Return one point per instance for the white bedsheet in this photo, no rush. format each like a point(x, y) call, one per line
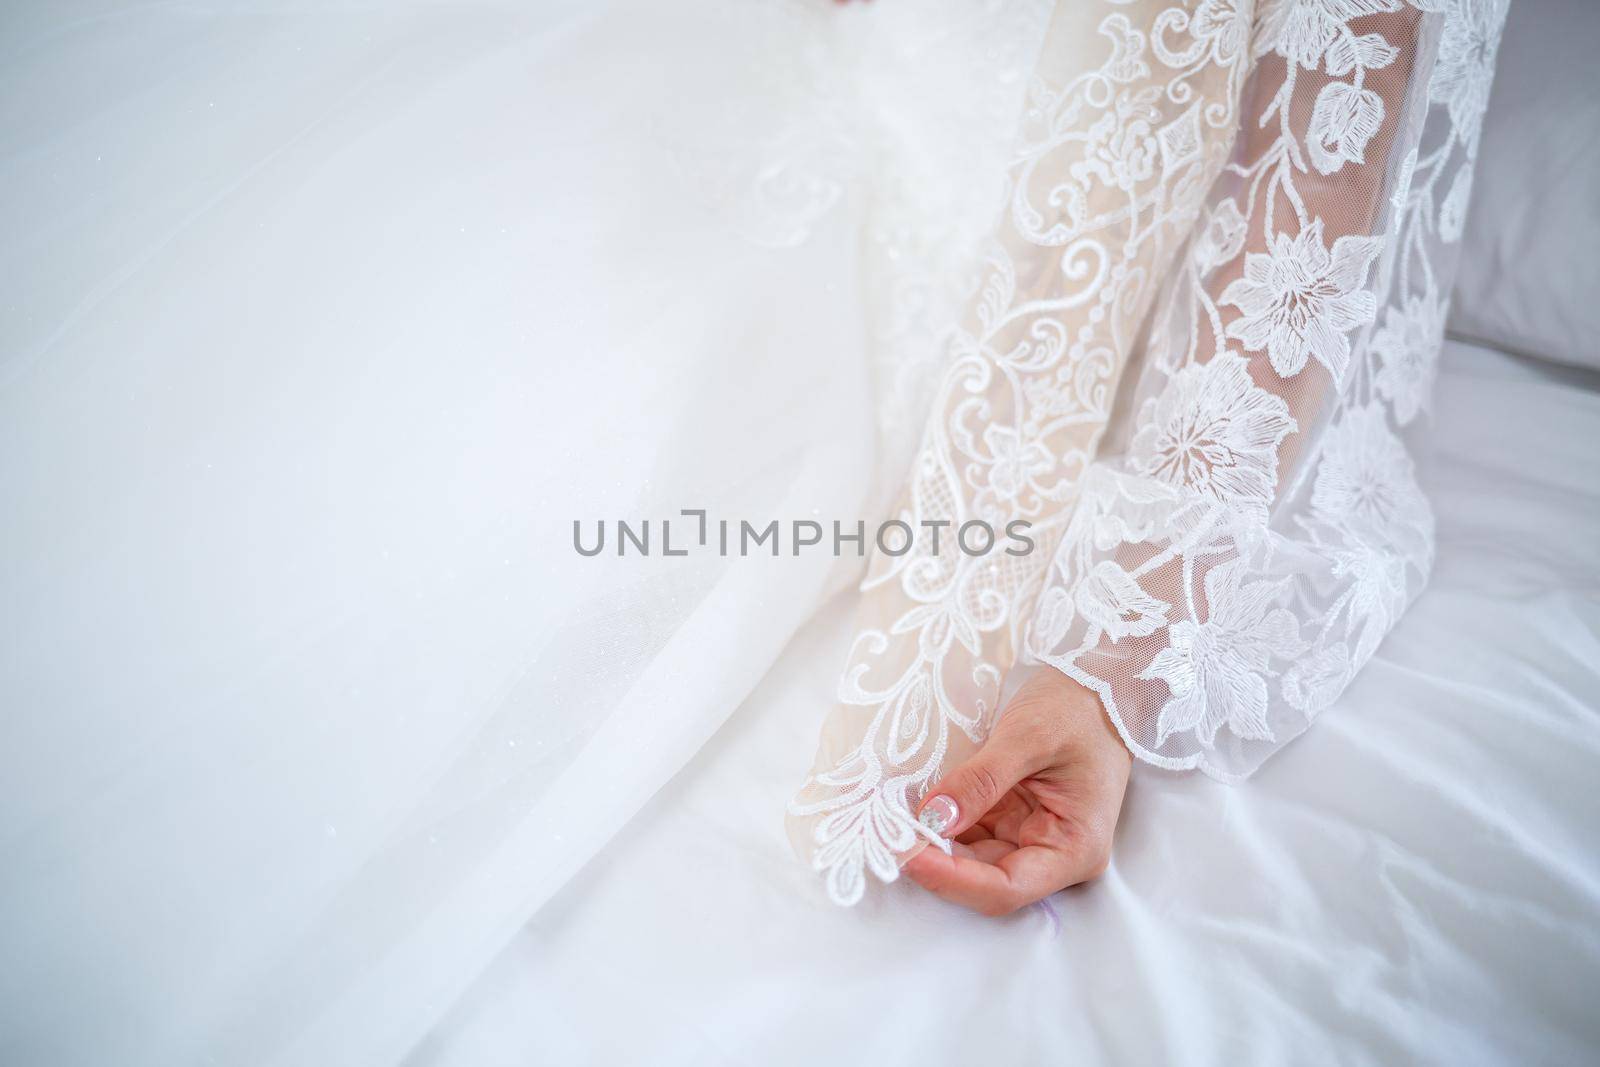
point(1417, 879)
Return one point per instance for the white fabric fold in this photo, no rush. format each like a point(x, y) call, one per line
point(325, 326)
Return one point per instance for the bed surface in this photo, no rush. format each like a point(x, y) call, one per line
point(1415, 879)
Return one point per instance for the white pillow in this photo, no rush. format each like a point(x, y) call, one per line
point(1529, 280)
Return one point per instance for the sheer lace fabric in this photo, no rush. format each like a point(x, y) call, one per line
point(1251, 214)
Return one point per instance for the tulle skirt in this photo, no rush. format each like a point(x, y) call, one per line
point(324, 328)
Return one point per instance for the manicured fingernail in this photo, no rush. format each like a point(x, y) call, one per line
point(939, 814)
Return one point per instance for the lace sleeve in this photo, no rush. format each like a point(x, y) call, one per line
point(1262, 529)
point(1130, 118)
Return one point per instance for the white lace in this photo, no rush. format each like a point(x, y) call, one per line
point(1257, 208)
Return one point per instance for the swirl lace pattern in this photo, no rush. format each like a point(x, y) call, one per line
point(1109, 173)
point(1258, 208)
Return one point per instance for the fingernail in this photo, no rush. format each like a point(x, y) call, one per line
point(939, 814)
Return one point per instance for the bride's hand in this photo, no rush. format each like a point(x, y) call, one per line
point(1033, 811)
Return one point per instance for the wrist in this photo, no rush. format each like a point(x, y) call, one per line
point(1074, 713)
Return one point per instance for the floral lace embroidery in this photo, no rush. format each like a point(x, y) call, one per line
point(1221, 582)
point(1108, 177)
point(1267, 512)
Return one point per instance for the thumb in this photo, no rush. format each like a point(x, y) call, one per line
point(963, 796)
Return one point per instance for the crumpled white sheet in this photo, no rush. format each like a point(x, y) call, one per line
point(1417, 879)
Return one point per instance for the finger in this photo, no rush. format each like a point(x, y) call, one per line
point(996, 878)
point(1015, 879)
point(1036, 871)
point(991, 851)
point(989, 820)
point(1012, 809)
point(962, 880)
point(1008, 818)
point(964, 795)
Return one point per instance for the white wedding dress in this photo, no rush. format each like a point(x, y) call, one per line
point(324, 325)
point(327, 324)
point(1249, 216)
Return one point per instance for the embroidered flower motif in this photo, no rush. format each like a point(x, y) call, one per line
point(1315, 681)
point(1222, 237)
point(1224, 25)
point(1114, 604)
point(1453, 210)
point(1121, 147)
point(1051, 620)
point(1374, 579)
point(1127, 62)
point(863, 836)
point(1342, 122)
point(1216, 669)
point(1407, 347)
point(1465, 67)
point(1300, 299)
point(1402, 183)
point(1016, 462)
point(1302, 31)
point(1214, 431)
point(1366, 486)
point(1367, 52)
